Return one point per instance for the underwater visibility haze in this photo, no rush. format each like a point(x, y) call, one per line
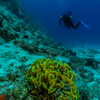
point(48, 12)
point(42, 60)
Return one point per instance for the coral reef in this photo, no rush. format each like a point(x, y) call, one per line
point(51, 80)
point(22, 42)
point(14, 7)
point(28, 37)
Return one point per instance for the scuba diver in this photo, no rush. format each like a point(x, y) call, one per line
point(67, 18)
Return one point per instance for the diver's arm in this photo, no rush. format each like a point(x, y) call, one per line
point(60, 21)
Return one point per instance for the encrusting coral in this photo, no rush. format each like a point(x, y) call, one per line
point(51, 80)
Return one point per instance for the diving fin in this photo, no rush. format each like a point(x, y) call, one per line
point(84, 24)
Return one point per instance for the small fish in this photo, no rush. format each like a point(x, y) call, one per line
point(2, 97)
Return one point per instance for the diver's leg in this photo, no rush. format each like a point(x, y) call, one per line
point(75, 27)
point(68, 26)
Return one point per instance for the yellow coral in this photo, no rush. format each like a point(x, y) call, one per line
point(73, 77)
point(44, 85)
point(51, 79)
point(62, 84)
point(52, 75)
point(63, 77)
point(51, 67)
point(58, 74)
point(70, 81)
point(58, 85)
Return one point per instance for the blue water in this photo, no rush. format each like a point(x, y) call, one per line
point(48, 12)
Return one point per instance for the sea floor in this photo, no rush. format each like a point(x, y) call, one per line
point(22, 43)
point(14, 59)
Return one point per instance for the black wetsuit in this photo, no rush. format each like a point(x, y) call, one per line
point(68, 22)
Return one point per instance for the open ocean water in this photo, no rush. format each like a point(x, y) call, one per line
point(29, 31)
point(48, 13)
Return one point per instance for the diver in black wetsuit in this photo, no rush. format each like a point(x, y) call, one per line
point(67, 18)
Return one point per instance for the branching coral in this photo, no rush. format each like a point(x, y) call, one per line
point(51, 80)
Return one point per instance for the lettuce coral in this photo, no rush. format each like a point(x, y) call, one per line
point(51, 80)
